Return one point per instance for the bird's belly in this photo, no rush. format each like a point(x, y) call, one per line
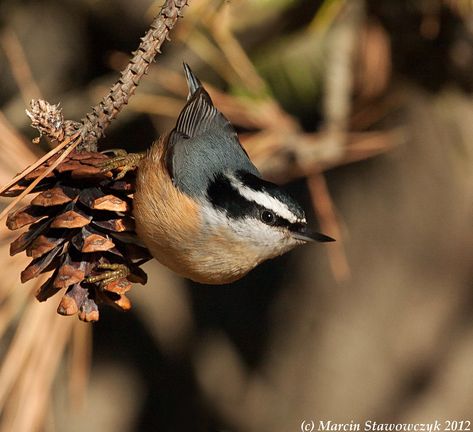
point(201, 259)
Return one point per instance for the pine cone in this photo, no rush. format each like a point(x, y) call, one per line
point(79, 224)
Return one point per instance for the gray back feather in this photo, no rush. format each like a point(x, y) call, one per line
point(203, 143)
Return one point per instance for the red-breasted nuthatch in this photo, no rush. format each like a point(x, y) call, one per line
point(201, 206)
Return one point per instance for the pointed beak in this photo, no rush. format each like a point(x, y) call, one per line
point(305, 234)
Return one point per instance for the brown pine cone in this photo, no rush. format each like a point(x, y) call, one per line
point(81, 229)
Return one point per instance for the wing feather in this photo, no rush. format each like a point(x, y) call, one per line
point(203, 143)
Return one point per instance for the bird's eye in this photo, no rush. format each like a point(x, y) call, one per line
point(268, 217)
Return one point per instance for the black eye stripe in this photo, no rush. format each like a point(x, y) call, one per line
point(224, 196)
point(258, 184)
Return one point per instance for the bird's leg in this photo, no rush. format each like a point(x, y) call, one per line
point(122, 161)
point(115, 272)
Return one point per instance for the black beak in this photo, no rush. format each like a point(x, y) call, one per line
point(307, 235)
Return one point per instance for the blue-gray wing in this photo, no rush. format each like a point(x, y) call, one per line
point(203, 143)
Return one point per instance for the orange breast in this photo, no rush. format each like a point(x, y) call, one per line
point(165, 217)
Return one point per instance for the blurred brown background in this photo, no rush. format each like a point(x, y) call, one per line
point(364, 109)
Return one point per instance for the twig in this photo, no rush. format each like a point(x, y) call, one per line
point(95, 122)
point(339, 77)
point(234, 52)
point(324, 208)
point(19, 65)
point(16, 150)
point(81, 353)
point(48, 119)
point(43, 363)
point(18, 353)
point(282, 157)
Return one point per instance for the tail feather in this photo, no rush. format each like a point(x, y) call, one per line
point(192, 81)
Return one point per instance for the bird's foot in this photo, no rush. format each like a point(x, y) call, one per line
point(123, 162)
point(114, 273)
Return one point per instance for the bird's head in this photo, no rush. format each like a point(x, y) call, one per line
point(258, 212)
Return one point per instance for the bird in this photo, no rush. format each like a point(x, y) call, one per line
point(201, 206)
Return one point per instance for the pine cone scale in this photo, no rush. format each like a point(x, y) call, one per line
point(25, 239)
point(71, 219)
point(51, 197)
point(24, 216)
point(39, 265)
point(46, 290)
point(42, 245)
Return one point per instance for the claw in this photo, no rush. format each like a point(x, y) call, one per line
point(122, 161)
point(116, 272)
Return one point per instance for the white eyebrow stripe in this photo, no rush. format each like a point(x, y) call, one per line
point(264, 200)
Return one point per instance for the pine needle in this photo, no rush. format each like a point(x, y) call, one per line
point(43, 175)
